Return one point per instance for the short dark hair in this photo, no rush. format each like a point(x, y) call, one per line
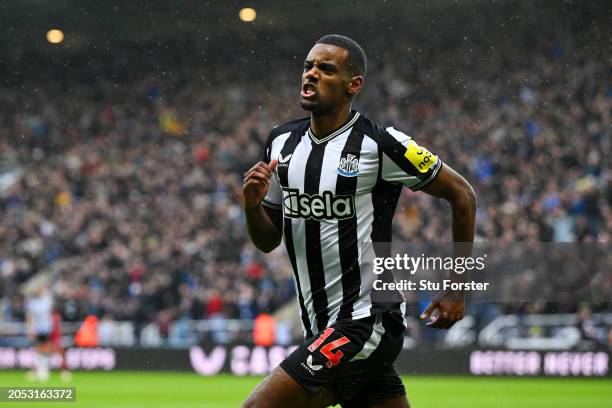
point(357, 60)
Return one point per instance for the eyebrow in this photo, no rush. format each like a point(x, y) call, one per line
point(327, 66)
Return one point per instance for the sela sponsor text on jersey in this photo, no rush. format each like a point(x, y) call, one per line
point(319, 207)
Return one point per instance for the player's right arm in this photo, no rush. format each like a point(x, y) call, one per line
point(263, 222)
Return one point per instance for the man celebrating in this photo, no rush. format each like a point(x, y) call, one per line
point(328, 183)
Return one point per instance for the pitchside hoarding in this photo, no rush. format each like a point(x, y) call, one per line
point(249, 360)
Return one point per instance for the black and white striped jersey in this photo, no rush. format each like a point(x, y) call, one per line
point(336, 193)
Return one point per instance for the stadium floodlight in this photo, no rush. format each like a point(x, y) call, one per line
point(247, 14)
point(55, 36)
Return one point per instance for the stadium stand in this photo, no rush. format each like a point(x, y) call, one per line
point(121, 182)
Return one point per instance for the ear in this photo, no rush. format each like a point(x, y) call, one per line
point(354, 85)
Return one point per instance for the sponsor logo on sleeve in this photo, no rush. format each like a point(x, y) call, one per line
point(421, 158)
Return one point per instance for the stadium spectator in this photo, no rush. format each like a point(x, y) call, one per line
point(128, 191)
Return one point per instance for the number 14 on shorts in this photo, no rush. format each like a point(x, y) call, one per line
point(327, 350)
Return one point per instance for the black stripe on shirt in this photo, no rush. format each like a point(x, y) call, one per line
point(288, 148)
point(347, 234)
point(314, 258)
point(385, 196)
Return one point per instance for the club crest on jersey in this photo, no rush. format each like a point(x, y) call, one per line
point(348, 166)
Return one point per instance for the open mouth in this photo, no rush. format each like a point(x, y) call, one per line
point(308, 90)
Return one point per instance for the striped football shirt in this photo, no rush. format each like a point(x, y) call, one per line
point(336, 193)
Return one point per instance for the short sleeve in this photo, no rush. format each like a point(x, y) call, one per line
point(273, 198)
point(404, 161)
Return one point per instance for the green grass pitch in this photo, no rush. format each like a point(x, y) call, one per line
point(185, 390)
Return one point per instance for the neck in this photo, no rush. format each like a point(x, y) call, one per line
point(325, 123)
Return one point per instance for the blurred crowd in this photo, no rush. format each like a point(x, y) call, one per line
point(127, 193)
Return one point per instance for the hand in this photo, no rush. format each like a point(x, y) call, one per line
point(442, 312)
point(256, 183)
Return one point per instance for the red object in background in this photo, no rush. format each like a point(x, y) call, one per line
point(214, 305)
point(201, 153)
point(136, 272)
point(87, 335)
point(56, 328)
point(255, 271)
point(108, 115)
point(56, 339)
point(163, 323)
point(264, 330)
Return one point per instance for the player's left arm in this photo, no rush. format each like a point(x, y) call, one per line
point(448, 308)
point(405, 161)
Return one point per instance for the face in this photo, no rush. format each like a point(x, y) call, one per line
point(327, 81)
